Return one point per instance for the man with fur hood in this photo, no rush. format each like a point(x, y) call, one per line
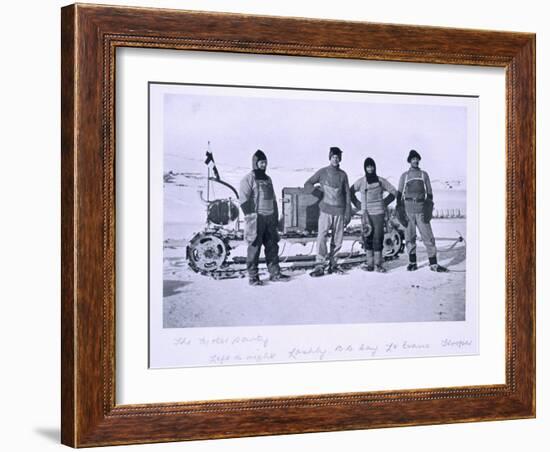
point(414, 210)
point(259, 205)
point(335, 208)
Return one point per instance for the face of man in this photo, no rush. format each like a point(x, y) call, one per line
point(415, 162)
point(335, 160)
point(370, 169)
point(262, 164)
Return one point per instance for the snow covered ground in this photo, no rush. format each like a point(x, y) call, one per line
point(194, 300)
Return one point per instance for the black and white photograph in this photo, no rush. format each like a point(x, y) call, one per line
point(131, 313)
point(292, 225)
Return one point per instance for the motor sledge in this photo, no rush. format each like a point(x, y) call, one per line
point(210, 251)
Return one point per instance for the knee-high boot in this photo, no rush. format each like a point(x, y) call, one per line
point(379, 262)
point(369, 263)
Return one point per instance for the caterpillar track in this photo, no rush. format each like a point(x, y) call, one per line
point(209, 253)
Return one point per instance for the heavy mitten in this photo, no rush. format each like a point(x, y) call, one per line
point(388, 200)
point(427, 210)
point(401, 214)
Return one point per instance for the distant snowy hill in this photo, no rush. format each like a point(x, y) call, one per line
point(439, 184)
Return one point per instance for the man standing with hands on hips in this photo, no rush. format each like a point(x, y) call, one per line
point(414, 210)
point(335, 208)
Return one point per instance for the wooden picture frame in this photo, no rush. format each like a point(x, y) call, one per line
point(90, 37)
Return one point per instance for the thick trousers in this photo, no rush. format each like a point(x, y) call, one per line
point(268, 236)
point(416, 220)
point(334, 223)
point(376, 238)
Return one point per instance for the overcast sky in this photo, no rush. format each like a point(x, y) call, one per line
point(297, 133)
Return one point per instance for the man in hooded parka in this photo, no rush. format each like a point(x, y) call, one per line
point(259, 205)
point(372, 203)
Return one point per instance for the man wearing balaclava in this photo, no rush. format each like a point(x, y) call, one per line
point(415, 208)
point(259, 205)
point(372, 204)
point(335, 208)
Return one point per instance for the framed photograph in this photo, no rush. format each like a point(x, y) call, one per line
point(205, 304)
point(279, 225)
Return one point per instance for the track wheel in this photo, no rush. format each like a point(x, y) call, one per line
point(206, 252)
point(393, 244)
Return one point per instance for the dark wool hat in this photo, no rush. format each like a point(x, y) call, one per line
point(369, 162)
point(371, 177)
point(258, 155)
point(413, 154)
point(335, 151)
